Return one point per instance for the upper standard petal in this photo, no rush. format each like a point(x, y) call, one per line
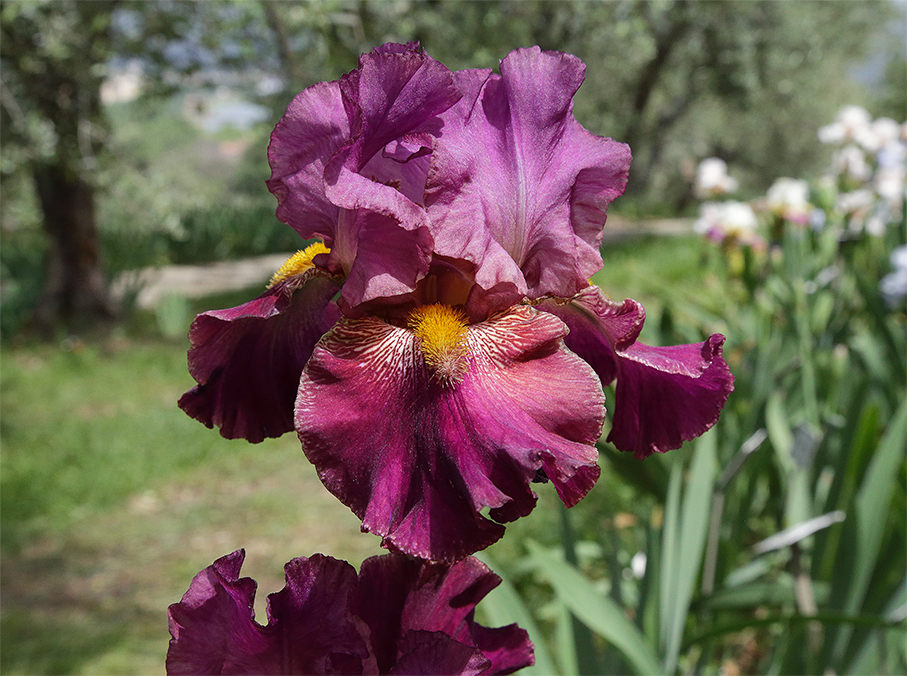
point(349, 161)
point(516, 185)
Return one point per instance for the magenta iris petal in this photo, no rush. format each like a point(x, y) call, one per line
point(213, 628)
point(310, 627)
point(247, 360)
point(389, 260)
point(349, 161)
point(313, 128)
point(668, 395)
point(435, 654)
point(664, 395)
point(417, 459)
point(507, 648)
point(400, 596)
point(400, 616)
point(395, 91)
point(517, 186)
point(316, 630)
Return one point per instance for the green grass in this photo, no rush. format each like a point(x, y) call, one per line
point(667, 275)
point(112, 499)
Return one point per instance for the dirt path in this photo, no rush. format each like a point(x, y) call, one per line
point(195, 281)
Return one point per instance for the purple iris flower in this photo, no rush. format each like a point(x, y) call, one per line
point(398, 616)
point(442, 349)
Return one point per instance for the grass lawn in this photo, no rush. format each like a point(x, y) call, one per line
point(112, 498)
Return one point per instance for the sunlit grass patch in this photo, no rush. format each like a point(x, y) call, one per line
point(113, 499)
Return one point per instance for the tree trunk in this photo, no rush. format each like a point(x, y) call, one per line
point(74, 293)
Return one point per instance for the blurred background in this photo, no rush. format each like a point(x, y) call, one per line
point(134, 139)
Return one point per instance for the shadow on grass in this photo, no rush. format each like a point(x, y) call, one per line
point(52, 620)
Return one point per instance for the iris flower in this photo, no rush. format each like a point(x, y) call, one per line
point(440, 348)
point(398, 616)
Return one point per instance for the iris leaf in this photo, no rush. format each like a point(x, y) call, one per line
point(504, 606)
point(596, 611)
point(688, 546)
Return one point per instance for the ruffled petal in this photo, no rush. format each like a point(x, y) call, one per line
point(516, 185)
point(399, 616)
point(247, 360)
point(310, 629)
point(507, 648)
point(417, 458)
point(397, 90)
point(349, 161)
point(312, 616)
point(213, 626)
point(400, 596)
point(664, 395)
point(314, 127)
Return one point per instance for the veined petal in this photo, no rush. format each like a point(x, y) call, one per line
point(664, 395)
point(516, 185)
point(417, 456)
point(247, 360)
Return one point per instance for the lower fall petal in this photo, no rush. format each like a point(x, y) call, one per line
point(247, 360)
point(664, 395)
point(668, 395)
point(417, 456)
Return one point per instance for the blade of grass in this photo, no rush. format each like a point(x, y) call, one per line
point(596, 611)
point(873, 500)
point(504, 606)
point(690, 543)
point(872, 503)
point(584, 650)
point(783, 438)
point(668, 569)
point(895, 611)
point(565, 641)
point(790, 620)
